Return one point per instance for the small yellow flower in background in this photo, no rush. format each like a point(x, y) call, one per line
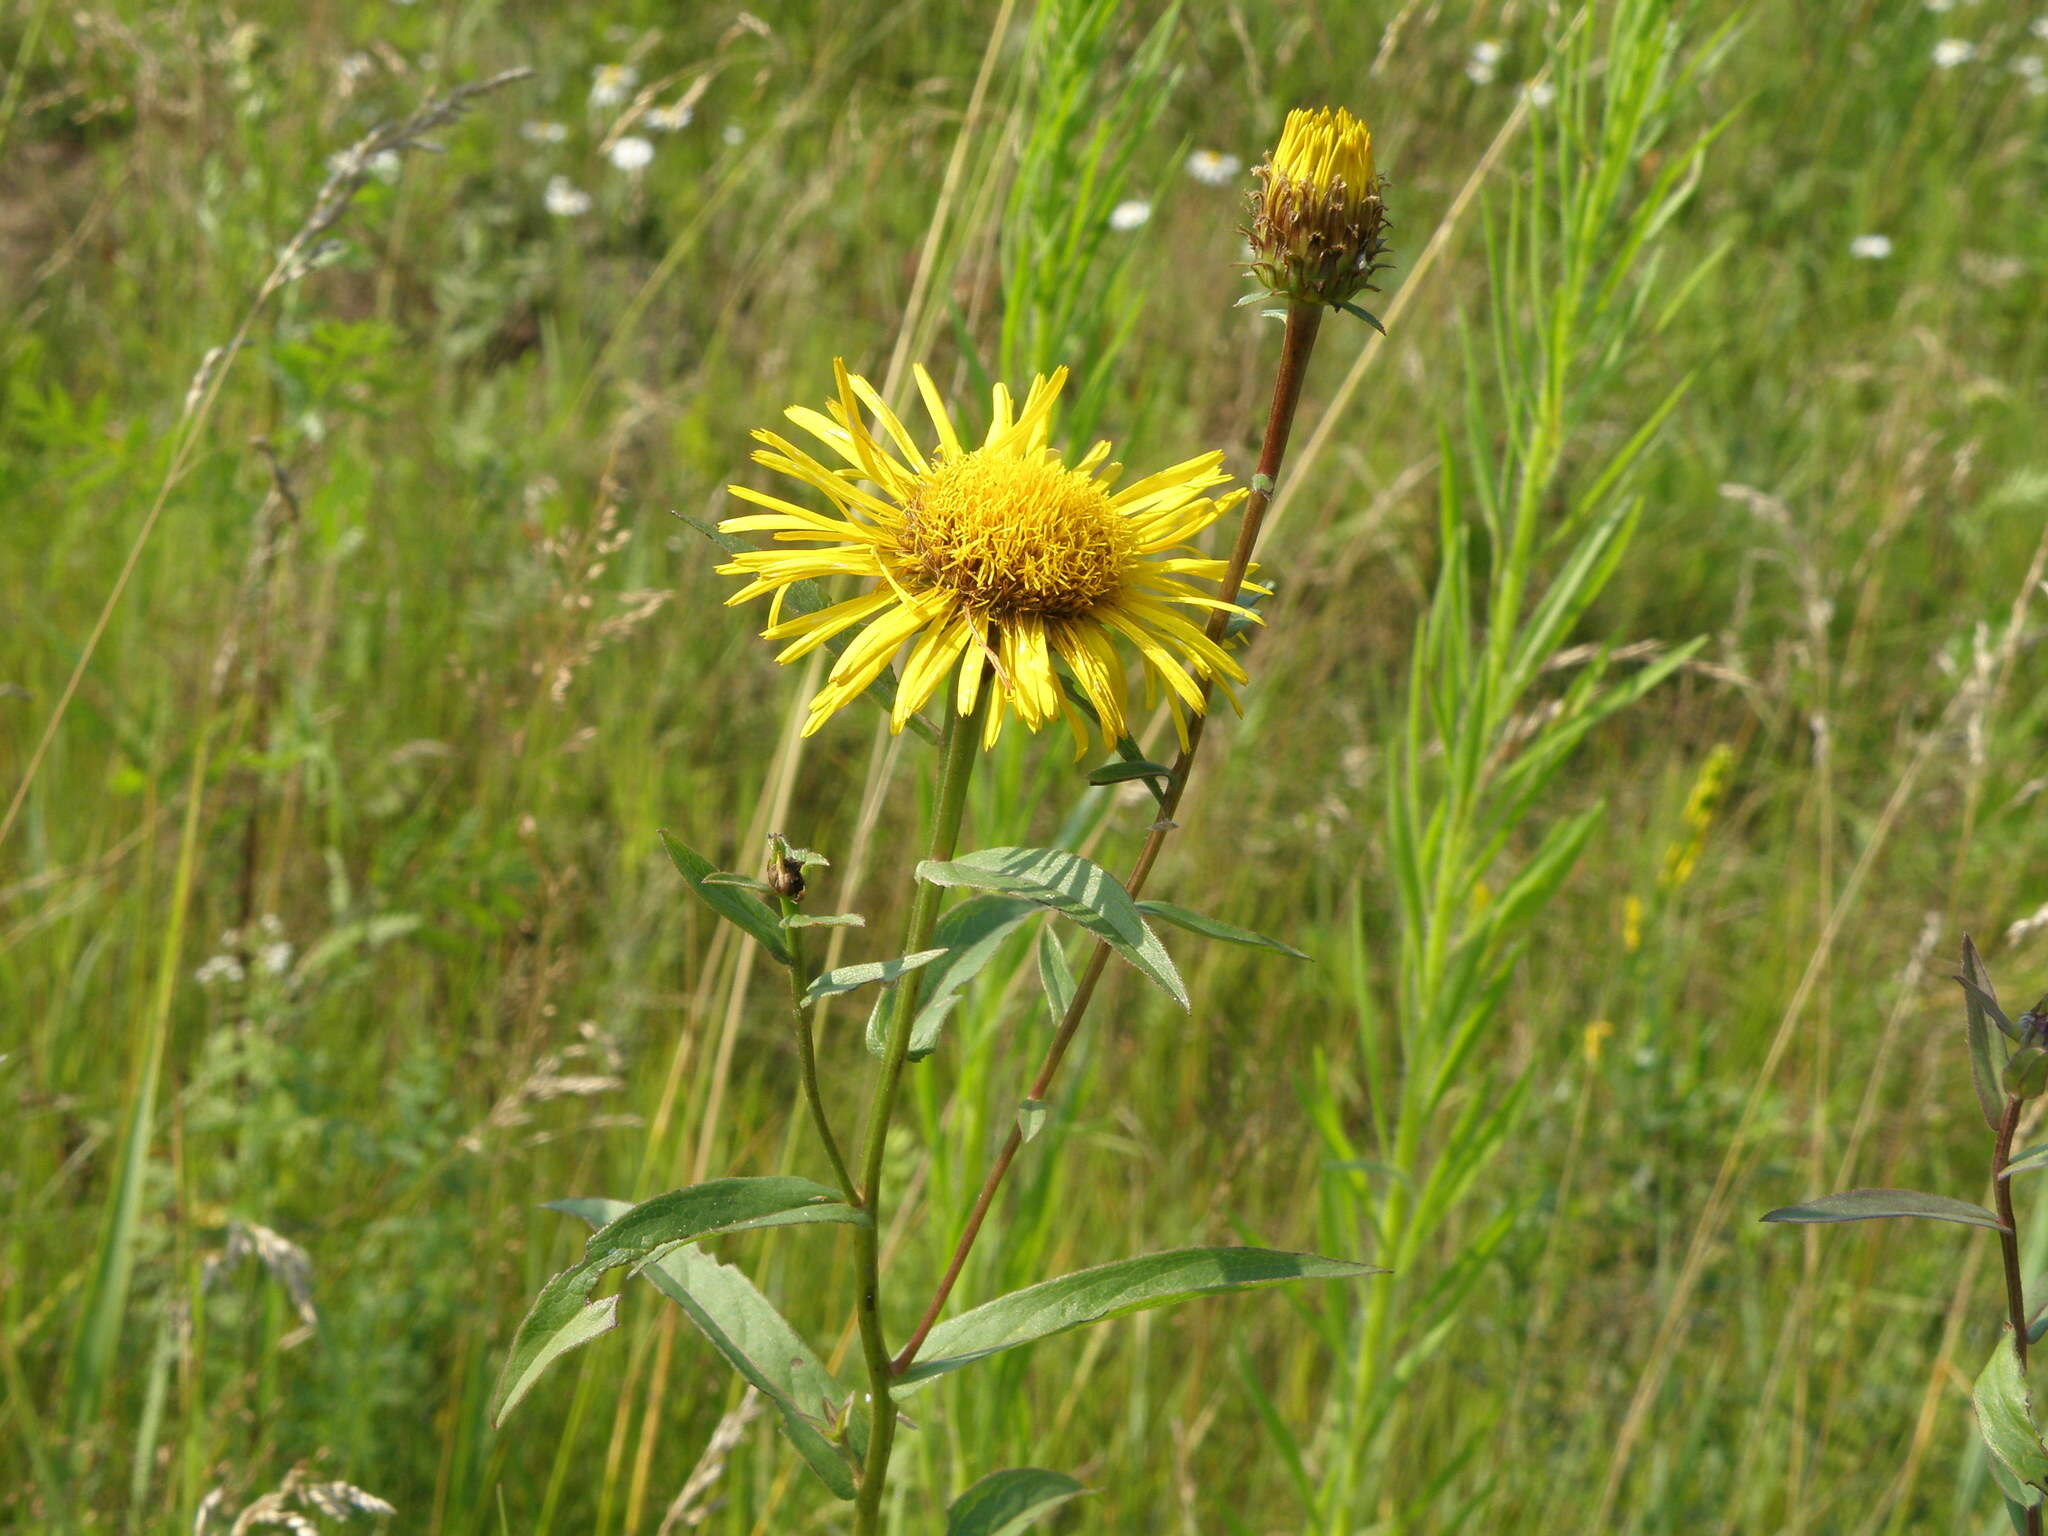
point(1595, 1040)
point(1318, 221)
point(1701, 806)
point(1632, 924)
point(992, 563)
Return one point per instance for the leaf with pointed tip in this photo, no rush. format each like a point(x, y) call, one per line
point(846, 977)
point(1111, 1290)
point(1055, 975)
point(743, 912)
point(1004, 1503)
point(1876, 1204)
point(1075, 888)
point(1987, 1000)
point(2005, 1418)
point(757, 1341)
point(1210, 928)
point(1121, 771)
point(1030, 1118)
point(1987, 1065)
point(563, 1315)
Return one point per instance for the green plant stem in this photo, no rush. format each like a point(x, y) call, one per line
point(2009, 1250)
point(807, 1055)
point(958, 744)
point(1303, 322)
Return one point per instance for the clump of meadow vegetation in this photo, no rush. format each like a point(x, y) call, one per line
point(1653, 698)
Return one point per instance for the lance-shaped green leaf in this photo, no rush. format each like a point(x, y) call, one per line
point(1122, 770)
point(1977, 990)
point(1210, 928)
point(2027, 1161)
point(1111, 1290)
point(1987, 1063)
point(969, 935)
point(563, 1315)
point(1877, 1204)
point(1074, 887)
point(2005, 1418)
point(845, 978)
point(824, 920)
point(1055, 975)
point(758, 1342)
point(728, 901)
point(1004, 1503)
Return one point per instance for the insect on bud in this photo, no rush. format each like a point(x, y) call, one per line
point(785, 877)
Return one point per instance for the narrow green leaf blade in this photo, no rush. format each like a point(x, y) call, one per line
point(729, 902)
point(846, 977)
point(1077, 889)
point(1877, 1204)
point(563, 1316)
point(2027, 1161)
point(824, 920)
point(1111, 1290)
point(1122, 770)
point(1987, 1063)
point(2005, 1418)
point(1004, 1503)
point(1210, 928)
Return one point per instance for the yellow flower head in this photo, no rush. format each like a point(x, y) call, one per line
point(1329, 152)
point(1318, 226)
point(996, 564)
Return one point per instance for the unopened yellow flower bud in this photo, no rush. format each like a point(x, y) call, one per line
point(1318, 223)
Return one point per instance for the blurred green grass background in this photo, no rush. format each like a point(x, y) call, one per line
point(335, 907)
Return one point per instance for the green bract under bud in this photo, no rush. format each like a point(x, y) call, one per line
point(1318, 228)
point(2026, 1075)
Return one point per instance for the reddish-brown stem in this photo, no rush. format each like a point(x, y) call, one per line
point(1303, 321)
point(2009, 1250)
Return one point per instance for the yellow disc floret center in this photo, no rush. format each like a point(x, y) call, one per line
point(1015, 535)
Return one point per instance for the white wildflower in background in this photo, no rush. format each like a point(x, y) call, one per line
point(539, 130)
point(1539, 93)
point(386, 164)
point(611, 84)
point(2031, 68)
point(632, 153)
point(670, 119)
point(221, 968)
point(1871, 247)
point(2039, 28)
point(275, 959)
point(564, 199)
point(354, 67)
point(1939, 6)
point(1485, 62)
point(1212, 168)
point(1130, 214)
point(1951, 51)
point(733, 134)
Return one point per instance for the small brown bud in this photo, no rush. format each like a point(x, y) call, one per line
point(786, 878)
